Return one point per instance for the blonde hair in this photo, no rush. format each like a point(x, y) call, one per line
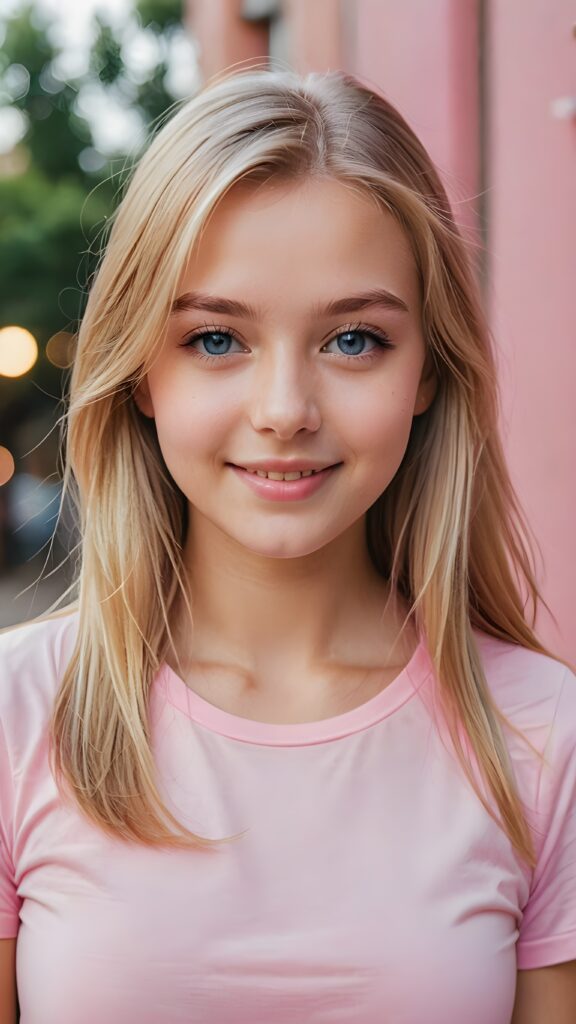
point(447, 532)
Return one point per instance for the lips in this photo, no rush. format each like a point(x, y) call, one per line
point(284, 490)
point(276, 466)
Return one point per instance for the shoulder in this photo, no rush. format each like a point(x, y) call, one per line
point(525, 684)
point(537, 694)
point(33, 656)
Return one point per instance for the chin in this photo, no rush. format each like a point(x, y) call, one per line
point(282, 548)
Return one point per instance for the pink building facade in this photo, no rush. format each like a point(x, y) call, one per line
point(490, 88)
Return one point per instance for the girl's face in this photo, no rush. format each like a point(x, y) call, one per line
point(255, 366)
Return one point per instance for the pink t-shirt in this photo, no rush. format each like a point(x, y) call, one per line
point(371, 884)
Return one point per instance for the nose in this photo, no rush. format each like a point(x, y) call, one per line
point(284, 396)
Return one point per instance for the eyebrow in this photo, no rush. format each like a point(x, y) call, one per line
point(233, 307)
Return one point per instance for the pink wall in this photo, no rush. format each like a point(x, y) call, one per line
point(532, 203)
point(223, 36)
point(422, 56)
point(315, 33)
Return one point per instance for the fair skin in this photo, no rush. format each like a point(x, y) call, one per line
point(546, 995)
point(8, 996)
point(287, 605)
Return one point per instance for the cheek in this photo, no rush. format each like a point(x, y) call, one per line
point(379, 424)
point(191, 426)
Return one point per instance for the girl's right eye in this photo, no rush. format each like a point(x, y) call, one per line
point(219, 338)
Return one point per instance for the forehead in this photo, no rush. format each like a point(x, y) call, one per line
point(301, 239)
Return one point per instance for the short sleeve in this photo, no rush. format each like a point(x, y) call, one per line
point(10, 902)
point(548, 929)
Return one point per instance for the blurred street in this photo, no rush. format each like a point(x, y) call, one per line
point(16, 606)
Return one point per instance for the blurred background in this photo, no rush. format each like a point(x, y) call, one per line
point(488, 85)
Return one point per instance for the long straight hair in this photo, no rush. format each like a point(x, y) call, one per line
point(447, 532)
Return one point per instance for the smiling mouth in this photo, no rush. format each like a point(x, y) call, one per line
point(288, 476)
point(271, 475)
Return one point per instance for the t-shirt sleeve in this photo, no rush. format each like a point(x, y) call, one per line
point(10, 902)
point(548, 930)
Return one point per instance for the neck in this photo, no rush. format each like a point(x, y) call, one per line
point(272, 616)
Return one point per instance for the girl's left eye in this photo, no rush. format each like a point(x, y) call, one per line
point(353, 335)
point(350, 338)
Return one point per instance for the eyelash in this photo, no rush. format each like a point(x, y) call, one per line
point(382, 339)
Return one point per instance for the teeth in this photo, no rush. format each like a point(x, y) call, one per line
point(285, 476)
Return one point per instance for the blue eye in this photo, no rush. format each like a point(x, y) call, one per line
point(353, 337)
point(219, 339)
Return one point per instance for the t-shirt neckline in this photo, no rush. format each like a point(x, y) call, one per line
point(389, 699)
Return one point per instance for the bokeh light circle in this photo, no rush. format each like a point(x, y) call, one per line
point(60, 349)
point(6, 465)
point(18, 351)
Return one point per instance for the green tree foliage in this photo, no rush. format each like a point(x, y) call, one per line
point(53, 211)
point(56, 135)
point(160, 15)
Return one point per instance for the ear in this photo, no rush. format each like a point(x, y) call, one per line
point(427, 387)
point(142, 398)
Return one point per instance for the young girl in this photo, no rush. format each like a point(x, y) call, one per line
point(295, 753)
